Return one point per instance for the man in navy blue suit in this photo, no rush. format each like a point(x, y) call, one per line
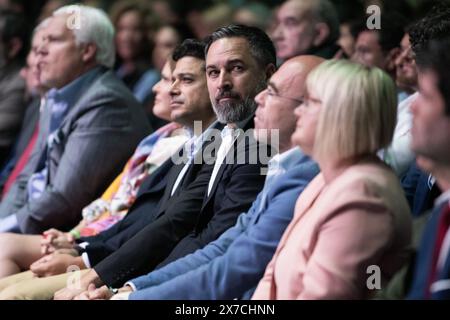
point(231, 266)
point(431, 141)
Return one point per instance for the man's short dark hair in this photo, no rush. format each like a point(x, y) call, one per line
point(189, 48)
point(434, 26)
point(261, 47)
point(435, 57)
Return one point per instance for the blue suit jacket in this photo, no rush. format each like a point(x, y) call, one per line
point(232, 265)
point(424, 259)
point(417, 190)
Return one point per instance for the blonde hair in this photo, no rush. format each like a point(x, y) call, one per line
point(359, 109)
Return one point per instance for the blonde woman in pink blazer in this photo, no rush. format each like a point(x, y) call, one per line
point(351, 228)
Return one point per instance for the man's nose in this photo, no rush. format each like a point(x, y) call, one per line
point(277, 34)
point(225, 80)
point(41, 49)
point(174, 90)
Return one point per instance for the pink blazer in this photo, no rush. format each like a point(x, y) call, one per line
point(338, 230)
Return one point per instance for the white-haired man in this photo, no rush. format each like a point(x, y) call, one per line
point(89, 127)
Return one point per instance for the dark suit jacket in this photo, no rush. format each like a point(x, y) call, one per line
point(151, 202)
point(95, 139)
point(235, 188)
point(142, 212)
point(419, 289)
point(12, 106)
point(417, 191)
point(30, 120)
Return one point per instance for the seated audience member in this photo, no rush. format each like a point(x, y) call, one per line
point(405, 66)
point(306, 27)
point(239, 62)
point(420, 186)
point(13, 37)
point(22, 250)
point(29, 130)
point(431, 141)
point(162, 224)
point(174, 191)
point(399, 155)
point(89, 126)
point(232, 265)
point(353, 214)
point(133, 46)
point(380, 47)
point(435, 25)
point(166, 38)
point(350, 14)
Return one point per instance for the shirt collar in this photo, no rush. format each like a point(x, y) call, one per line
point(72, 91)
point(287, 159)
point(444, 197)
point(198, 141)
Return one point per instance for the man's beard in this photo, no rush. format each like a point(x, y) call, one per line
point(237, 110)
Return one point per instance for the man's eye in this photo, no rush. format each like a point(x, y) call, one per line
point(290, 23)
point(238, 68)
point(213, 73)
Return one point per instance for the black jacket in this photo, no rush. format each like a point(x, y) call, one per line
point(189, 219)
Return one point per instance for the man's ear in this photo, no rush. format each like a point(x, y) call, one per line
point(322, 31)
point(391, 57)
point(14, 46)
point(89, 52)
point(270, 70)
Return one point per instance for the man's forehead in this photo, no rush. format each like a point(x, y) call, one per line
point(294, 9)
point(228, 49)
point(287, 79)
point(56, 24)
point(37, 38)
point(368, 36)
point(189, 64)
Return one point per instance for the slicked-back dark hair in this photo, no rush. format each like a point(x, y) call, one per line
point(261, 47)
point(189, 48)
point(435, 57)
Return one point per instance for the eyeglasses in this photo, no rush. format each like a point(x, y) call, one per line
point(272, 94)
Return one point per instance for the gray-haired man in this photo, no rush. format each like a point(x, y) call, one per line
point(89, 127)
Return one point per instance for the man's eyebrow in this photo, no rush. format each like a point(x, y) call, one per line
point(184, 74)
point(233, 61)
point(272, 86)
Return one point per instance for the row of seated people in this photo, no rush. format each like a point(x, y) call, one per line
point(165, 223)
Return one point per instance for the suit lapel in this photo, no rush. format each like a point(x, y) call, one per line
point(89, 87)
point(237, 145)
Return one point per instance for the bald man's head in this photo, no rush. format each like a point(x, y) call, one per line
point(277, 103)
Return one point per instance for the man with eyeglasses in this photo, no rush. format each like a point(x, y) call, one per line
point(231, 266)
